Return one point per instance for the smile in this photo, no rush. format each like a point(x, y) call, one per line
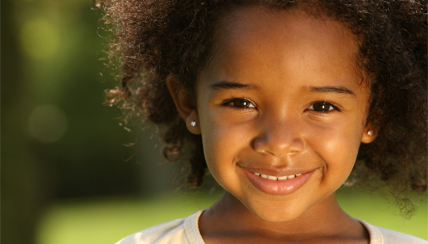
point(278, 185)
point(270, 177)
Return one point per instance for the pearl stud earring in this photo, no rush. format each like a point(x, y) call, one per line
point(193, 123)
point(370, 133)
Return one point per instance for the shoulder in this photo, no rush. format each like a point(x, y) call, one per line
point(180, 231)
point(379, 235)
point(394, 237)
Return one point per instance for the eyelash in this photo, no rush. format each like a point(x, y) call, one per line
point(330, 107)
point(232, 103)
point(250, 104)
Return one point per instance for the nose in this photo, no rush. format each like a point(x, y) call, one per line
point(279, 138)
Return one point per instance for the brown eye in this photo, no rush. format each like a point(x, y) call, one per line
point(241, 103)
point(322, 107)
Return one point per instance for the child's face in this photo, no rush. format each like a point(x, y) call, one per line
point(281, 97)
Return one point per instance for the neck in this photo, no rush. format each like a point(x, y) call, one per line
point(229, 217)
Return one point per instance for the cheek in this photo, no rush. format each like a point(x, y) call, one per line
point(223, 142)
point(218, 138)
point(337, 145)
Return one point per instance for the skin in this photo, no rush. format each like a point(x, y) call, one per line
point(281, 96)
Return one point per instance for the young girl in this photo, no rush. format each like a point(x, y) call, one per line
point(279, 101)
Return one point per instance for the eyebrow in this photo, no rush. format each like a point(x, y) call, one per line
point(331, 89)
point(226, 85)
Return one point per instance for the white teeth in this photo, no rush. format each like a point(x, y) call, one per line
point(270, 177)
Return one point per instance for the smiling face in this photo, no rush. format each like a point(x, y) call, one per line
point(281, 98)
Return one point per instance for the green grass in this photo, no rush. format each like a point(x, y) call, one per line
point(103, 221)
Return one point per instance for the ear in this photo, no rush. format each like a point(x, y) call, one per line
point(369, 134)
point(184, 103)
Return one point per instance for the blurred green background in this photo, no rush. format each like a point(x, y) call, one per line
point(68, 172)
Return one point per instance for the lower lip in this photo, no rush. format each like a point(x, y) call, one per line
point(278, 187)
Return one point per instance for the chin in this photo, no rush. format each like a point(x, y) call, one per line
point(278, 214)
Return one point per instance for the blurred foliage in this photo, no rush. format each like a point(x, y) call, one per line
point(59, 140)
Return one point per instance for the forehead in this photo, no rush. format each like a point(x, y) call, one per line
point(304, 38)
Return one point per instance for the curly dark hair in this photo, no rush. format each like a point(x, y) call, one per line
point(154, 39)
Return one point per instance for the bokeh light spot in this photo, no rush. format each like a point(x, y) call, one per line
point(47, 123)
point(40, 38)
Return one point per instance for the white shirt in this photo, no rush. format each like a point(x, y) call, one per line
point(186, 231)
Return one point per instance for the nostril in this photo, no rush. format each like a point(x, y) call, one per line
point(278, 144)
